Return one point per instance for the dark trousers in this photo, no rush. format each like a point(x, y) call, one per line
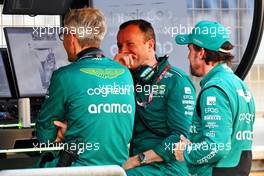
point(242, 169)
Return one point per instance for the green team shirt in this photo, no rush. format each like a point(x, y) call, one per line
point(170, 112)
point(222, 125)
point(95, 96)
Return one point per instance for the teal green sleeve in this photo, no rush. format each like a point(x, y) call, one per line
point(52, 109)
point(216, 119)
point(180, 105)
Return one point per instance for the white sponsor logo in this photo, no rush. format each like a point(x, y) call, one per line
point(190, 113)
point(188, 97)
point(247, 117)
point(168, 75)
point(211, 125)
point(210, 134)
point(245, 94)
point(110, 108)
point(189, 107)
point(211, 101)
point(114, 89)
point(159, 91)
point(211, 110)
point(208, 157)
point(187, 90)
point(193, 129)
point(212, 117)
point(191, 102)
point(198, 41)
point(244, 135)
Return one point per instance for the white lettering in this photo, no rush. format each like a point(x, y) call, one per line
point(212, 117)
point(113, 89)
point(110, 108)
point(247, 117)
point(211, 101)
point(244, 135)
point(211, 110)
point(92, 109)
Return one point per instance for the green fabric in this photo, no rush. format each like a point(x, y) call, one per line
point(95, 96)
point(170, 112)
point(224, 126)
point(206, 34)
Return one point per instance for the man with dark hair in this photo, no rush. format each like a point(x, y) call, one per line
point(222, 127)
point(165, 98)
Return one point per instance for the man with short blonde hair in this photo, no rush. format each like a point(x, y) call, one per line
point(88, 24)
point(94, 95)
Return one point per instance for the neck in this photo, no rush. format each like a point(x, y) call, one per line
point(152, 61)
point(210, 66)
point(86, 47)
point(80, 49)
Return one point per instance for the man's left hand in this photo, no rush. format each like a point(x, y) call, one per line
point(131, 163)
point(180, 147)
point(62, 127)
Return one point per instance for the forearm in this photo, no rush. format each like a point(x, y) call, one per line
point(152, 156)
point(134, 161)
point(200, 153)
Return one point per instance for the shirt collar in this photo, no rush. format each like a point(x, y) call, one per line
point(218, 68)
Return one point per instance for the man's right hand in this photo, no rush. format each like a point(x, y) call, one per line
point(127, 60)
point(62, 127)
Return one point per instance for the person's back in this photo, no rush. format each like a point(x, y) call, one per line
point(94, 95)
point(98, 94)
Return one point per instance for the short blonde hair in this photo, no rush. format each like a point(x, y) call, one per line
point(88, 24)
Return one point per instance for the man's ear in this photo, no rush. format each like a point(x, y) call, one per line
point(75, 43)
point(201, 54)
point(151, 44)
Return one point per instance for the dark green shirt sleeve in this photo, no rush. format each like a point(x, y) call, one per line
point(181, 99)
point(52, 109)
point(216, 126)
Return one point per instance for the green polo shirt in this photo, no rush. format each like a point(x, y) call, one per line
point(95, 96)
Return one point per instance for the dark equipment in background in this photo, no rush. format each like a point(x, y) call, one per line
point(40, 7)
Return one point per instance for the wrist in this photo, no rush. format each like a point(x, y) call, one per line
point(142, 158)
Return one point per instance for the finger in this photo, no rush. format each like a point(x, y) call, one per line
point(183, 138)
point(133, 56)
point(180, 157)
point(57, 140)
point(133, 60)
point(60, 124)
point(118, 56)
point(127, 61)
point(60, 136)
